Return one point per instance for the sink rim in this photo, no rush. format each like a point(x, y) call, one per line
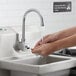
point(22, 59)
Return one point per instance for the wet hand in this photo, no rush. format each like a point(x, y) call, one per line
point(47, 39)
point(44, 49)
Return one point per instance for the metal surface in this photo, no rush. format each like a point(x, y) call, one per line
point(21, 45)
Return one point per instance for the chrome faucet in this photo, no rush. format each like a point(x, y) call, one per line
point(21, 45)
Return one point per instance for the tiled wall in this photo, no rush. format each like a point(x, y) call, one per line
point(11, 13)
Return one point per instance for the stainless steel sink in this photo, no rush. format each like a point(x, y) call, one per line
point(37, 66)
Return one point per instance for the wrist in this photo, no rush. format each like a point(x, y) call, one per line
point(57, 36)
point(59, 44)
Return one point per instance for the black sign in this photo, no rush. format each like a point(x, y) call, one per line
point(62, 6)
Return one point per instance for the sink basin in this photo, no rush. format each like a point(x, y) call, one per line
point(39, 60)
point(38, 66)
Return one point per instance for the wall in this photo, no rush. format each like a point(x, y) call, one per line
point(11, 13)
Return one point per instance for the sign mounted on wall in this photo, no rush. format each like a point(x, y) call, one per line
point(62, 6)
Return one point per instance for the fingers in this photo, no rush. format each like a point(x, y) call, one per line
point(42, 41)
point(38, 43)
point(46, 40)
point(36, 50)
point(44, 49)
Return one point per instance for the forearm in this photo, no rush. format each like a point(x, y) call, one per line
point(66, 33)
point(66, 42)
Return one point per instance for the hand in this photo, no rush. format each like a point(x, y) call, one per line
point(45, 49)
point(47, 39)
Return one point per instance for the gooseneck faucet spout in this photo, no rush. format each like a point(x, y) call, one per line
point(24, 18)
point(22, 45)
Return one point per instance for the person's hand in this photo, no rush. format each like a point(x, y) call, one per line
point(47, 39)
point(43, 46)
point(45, 49)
